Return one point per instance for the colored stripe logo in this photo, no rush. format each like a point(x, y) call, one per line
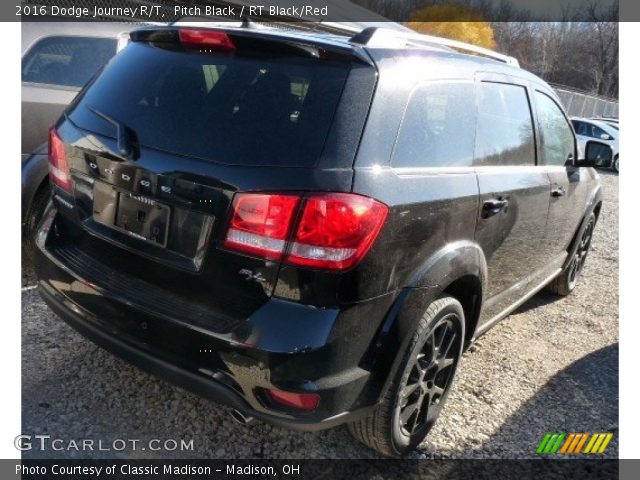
point(574, 443)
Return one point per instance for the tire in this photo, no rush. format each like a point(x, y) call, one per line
point(566, 281)
point(397, 426)
point(38, 205)
point(616, 164)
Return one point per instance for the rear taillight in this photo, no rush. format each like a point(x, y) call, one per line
point(206, 39)
point(59, 172)
point(334, 231)
point(260, 224)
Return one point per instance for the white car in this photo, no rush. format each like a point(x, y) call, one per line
point(611, 121)
point(590, 129)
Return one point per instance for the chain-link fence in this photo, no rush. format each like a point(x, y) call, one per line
point(582, 104)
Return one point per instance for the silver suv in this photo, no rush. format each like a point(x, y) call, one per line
point(58, 59)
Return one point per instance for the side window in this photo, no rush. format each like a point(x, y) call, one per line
point(597, 132)
point(557, 137)
point(580, 128)
point(438, 127)
point(505, 126)
point(66, 61)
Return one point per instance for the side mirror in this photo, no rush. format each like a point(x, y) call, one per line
point(596, 154)
point(605, 136)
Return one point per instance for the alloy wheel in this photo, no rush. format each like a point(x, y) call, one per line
point(580, 256)
point(430, 376)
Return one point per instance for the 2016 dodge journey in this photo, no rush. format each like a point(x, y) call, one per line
point(311, 228)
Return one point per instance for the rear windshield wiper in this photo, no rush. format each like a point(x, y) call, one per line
point(126, 137)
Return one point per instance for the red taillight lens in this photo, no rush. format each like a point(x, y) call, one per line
point(300, 401)
point(58, 166)
point(336, 230)
point(206, 39)
point(260, 223)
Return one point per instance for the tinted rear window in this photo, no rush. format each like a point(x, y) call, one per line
point(230, 109)
point(438, 129)
point(505, 128)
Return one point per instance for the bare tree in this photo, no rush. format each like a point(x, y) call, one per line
point(583, 55)
point(572, 52)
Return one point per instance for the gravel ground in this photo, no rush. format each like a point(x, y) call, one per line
point(551, 366)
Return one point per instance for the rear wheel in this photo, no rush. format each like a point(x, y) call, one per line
point(566, 281)
point(417, 395)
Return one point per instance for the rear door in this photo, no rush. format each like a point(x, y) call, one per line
point(514, 191)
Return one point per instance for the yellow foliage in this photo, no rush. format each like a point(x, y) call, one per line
point(456, 22)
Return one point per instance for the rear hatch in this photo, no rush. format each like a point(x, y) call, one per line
point(175, 125)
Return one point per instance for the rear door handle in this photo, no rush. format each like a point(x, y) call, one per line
point(493, 207)
point(558, 192)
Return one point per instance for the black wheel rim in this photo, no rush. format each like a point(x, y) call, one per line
point(432, 369)
point(580, 256)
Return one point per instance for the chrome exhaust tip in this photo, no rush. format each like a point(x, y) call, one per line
point(240, 417)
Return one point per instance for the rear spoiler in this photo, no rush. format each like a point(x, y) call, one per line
point(228, 36)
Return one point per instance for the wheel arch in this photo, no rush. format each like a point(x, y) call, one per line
point(43, 187)
point(597, 209)
point(468, 291)
point(35, 170)
point(458, 270)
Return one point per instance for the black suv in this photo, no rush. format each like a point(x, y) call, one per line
point(310, 228)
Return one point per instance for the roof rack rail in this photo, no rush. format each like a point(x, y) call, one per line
point(380, 37)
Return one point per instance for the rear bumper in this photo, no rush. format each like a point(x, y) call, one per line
point(199, 384)
point(228, 372)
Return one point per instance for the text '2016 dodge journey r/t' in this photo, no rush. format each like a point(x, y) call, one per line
point(306, 227)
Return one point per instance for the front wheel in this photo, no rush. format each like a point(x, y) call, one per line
point(421, 386)
point(616, 164)
point(566, 281)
